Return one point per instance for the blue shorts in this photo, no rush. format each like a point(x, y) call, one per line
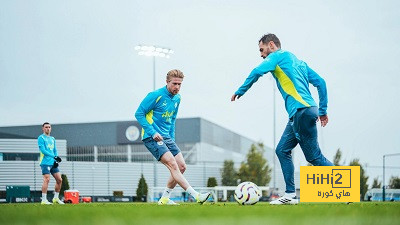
point(46, 169)
point(158, 149)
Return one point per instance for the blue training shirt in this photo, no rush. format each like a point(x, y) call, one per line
point(157, 113)
point(292, 78)
point(48, 150)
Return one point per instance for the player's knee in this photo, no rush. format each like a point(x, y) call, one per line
point(182, 168)
point(59, 180)
point(320, 161)
point(314, 161)
point(172, 165)
point(46, 179)
point(279, 152)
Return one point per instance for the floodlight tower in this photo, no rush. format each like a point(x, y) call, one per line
point(154, 51)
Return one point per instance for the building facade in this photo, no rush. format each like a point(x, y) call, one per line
point(100, 158)
point(198, 139)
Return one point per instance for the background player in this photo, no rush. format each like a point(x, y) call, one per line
point(49, 164)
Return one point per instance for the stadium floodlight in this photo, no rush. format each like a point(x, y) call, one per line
point(154, 51)
point(151, 50)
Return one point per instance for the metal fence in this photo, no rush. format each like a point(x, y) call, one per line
point(121, 153)
point(102, 178)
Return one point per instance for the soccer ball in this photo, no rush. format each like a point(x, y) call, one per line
point(247, 193)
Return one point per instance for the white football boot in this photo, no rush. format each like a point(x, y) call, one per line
point(286, 199)
point(46, 202)
point(201, 198)
point(57, 201)
point(166, 201)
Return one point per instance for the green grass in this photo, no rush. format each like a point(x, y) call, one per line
point(209, 214)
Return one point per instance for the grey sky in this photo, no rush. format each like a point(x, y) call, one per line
point(74, 61)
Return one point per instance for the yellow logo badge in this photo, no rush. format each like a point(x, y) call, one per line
point(329, 183)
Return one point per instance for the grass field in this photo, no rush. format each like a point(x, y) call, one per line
point(193, 214)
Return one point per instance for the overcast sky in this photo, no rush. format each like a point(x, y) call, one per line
point(74, 61)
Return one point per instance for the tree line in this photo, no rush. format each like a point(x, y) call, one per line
point(256, 169)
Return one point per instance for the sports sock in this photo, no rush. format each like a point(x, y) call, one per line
point(167, 192)
point(192, 192)
point(44, 196)
point(56, 194)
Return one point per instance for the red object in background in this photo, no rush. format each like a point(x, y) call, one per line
point(86, 199)
point(71, 196)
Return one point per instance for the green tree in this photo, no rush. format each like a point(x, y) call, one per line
point(212, 182)
point(394, 183)
point(363, 177)
point(142, 189)
point(64, 184)
point(376, 183)
point(229, 174)
point(337, 158)
point(255, 168)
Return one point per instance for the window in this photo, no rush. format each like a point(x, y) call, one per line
point(20, 156)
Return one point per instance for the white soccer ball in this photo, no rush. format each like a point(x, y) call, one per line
point(247, 193)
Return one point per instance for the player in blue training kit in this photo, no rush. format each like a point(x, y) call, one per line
point(49, 164)
point(157, 115)
point(292, 78)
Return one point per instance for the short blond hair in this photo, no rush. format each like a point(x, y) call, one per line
point(174, 73)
